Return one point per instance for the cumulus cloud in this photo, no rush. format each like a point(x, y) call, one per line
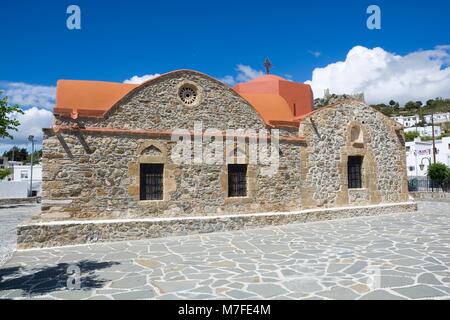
point(31, 123)
point(383, 75)
point(244, 73)
point(141, 79)
point(36, 101)
point(29, 95)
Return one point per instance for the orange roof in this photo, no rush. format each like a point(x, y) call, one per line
point(88, 98)
point(271, 107)
point(278, 101)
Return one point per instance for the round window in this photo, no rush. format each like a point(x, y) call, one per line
point(188, 94)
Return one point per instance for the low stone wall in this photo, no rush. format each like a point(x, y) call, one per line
point(431, 195)
point(11, 201)
point(62, 233)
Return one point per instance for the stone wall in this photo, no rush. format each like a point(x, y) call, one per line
point(105, 183)
point(329, 143)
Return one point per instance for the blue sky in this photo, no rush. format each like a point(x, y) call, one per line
point(225, 39)
point(119, 38)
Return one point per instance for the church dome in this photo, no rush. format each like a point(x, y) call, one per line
point(277, 100)
point(268, 77)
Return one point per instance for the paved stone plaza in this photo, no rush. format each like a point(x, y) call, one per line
point(396, 256)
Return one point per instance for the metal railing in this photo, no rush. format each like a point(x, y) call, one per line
point(425, 184)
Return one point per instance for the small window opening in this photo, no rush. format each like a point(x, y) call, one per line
point(354, 167)
point(237, 180)
point(151, 185)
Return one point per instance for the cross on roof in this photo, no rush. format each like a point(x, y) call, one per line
point(267, 65)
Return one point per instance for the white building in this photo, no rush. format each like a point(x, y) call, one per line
point(438, 118)
point(23, 172)
point(407, 121)
point(5, 163)
point(425, 131)
point(419, 155)
point(18, 183)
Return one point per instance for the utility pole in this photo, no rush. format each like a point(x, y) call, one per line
point(31, 139)
point(434, 143)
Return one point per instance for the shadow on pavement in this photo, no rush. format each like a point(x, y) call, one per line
point(48, 279)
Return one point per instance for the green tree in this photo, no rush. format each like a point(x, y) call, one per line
point(410, 136)
point(410, 106)
point(439, 173)
point(429, 103)
point(37, 156)
point(19, 154)
point(4, 173)
point(7, 122)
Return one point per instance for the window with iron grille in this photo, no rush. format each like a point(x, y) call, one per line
point(151, 185)
point(354, 166)
point(237, 180)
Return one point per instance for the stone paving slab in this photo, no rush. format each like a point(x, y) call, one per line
point(395, 256)
point(12, 215)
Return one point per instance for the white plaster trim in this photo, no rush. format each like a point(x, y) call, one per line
point(56, 202)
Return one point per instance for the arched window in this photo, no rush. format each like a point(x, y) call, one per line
point(152, 156)
point(356, 136)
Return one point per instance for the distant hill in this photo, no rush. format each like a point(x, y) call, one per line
point(392, 109)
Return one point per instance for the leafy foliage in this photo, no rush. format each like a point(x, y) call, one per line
point(410, 136)
point(393, 108)
point(19, 154)
point(37, 155)
point(440, 174)
point(4, 173)
point(7, 122)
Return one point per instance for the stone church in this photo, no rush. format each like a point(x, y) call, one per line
point(109, 173)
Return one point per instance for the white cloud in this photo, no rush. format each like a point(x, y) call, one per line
point(382, 75)
point(36, 102)
point(31, 123)
point(315, 53)
point(229, 80)
point(244, 73)
point(29, 95)
point(142, 79)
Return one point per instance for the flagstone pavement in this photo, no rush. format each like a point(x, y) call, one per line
point(395, 256)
